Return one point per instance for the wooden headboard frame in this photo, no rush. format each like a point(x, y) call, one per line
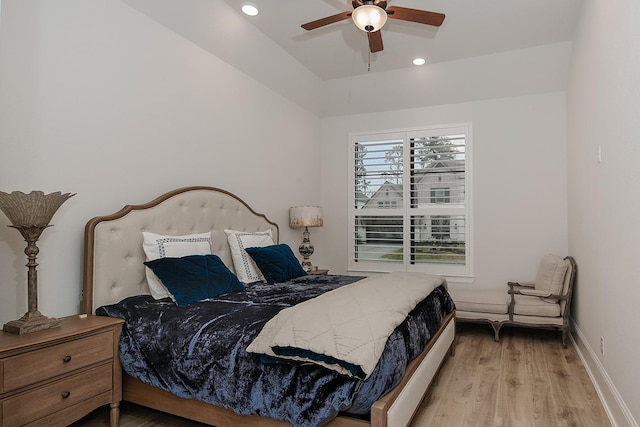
point(113, 254)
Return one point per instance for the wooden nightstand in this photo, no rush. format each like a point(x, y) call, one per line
point(57, 376)
point(319, 271)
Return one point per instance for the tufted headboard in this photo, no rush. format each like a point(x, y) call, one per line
point(113, 254)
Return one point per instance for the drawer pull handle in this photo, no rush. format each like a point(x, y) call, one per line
point(66, 394)
point(66, 359)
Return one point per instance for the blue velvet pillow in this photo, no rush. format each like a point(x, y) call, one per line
point(277, 263)
point(195, 277)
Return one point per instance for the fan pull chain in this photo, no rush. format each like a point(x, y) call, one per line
point(369, 65)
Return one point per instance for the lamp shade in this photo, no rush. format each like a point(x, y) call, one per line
point(305, 216)
point(369, 17)
point(34, 209)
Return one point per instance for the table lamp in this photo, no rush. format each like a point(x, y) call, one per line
point(30, 214)
point(305, 216)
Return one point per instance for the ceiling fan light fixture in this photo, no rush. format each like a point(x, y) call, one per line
point(369, 17)
point(250, 9)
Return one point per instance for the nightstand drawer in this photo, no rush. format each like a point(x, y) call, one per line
point(39, 365)
point(26, 407)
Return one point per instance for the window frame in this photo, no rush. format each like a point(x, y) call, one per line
point(406, 211)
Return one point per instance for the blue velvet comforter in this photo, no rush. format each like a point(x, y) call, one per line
point(198, 352)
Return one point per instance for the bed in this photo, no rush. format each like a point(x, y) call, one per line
point(114, 272)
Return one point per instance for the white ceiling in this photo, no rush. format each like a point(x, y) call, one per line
point(471, 28)
point(485, 49)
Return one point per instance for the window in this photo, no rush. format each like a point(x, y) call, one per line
point(439, 195)
point(410, 201)
point(387, 204)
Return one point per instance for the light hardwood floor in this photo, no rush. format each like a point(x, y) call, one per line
point(527, 379)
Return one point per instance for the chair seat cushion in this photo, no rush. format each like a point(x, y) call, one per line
point(535, 306)
point(539, 320)
point(477, 316)
point(482, 301)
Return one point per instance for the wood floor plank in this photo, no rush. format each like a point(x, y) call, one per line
point(544, 407)
point(514, 398)
point(487, 384)
point(527, 379)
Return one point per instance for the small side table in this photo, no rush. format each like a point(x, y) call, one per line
point(319, 271)
point(58, 375)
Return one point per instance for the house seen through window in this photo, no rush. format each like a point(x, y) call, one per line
point(410, 205)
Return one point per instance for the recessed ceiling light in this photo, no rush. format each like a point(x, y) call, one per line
point(250, 9)
point(419, 61)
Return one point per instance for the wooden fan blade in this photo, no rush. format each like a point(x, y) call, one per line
point(326, 21)
point(414, 15)
point(375, 41)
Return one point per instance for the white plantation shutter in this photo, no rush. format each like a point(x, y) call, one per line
point(410, 206)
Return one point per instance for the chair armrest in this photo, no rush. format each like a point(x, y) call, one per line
point(523, 288)
point(534, 293)
point(516, 289)
point(522, 284)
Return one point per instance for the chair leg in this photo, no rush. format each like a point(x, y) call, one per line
point(496, 330)
point(564, 337)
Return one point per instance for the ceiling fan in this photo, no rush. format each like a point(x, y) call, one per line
point(371, 15)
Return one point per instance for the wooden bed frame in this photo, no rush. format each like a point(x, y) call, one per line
point(114, 270)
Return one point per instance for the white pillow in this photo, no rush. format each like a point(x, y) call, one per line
point(158, 246)
point(246, 269)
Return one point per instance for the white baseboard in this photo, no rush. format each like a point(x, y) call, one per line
point(614, 405)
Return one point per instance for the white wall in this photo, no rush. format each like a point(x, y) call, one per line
point(99, 100)
point(225, 32)
point(538, 69)
point(519, 181)
point(604, 204)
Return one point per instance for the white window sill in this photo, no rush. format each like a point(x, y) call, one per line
point(463, 279)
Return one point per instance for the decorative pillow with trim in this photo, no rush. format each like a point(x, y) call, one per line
point(195, 277)
point(245, 268)
point(277, 263)
point(160, 246)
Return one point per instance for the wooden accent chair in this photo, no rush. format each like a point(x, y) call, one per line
point(545, 303)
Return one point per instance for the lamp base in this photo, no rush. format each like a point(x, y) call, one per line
point(32, 321)
point(306, 250)
point(307, 266)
